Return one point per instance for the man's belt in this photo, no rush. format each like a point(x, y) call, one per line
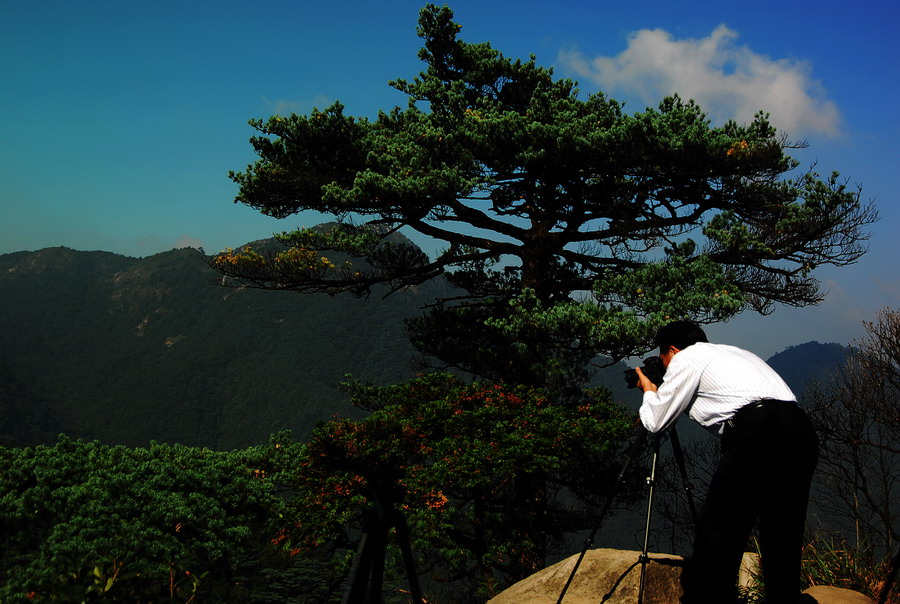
point(748, 409)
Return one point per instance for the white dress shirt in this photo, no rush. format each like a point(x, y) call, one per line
point(711, 382)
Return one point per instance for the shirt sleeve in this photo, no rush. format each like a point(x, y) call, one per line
point(661, 409)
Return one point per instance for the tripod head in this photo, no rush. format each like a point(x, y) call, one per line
point(384, 488)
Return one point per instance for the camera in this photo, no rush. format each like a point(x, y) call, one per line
point(652, 367)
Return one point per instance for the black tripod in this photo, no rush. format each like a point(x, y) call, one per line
point(633, 453)
point(367, 572)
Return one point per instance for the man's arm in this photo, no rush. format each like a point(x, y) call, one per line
point(644, 382)
point(662, 406)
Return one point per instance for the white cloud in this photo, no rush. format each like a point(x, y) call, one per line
point(300, 106)
point(188, 241)
point(727, 80)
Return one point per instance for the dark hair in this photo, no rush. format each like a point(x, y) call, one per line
point(679, 334)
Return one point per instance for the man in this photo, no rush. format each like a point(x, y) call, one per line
point(768, 453)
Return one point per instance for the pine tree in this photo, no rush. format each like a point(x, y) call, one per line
point(572, 229)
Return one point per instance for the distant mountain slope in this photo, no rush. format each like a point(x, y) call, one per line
point(810, 362)
point(129, 350)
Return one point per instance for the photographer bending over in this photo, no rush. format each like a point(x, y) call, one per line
point(769, 452)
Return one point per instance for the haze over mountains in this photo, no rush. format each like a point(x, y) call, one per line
point(128, 350)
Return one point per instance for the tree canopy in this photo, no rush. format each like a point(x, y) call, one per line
point(542, 195)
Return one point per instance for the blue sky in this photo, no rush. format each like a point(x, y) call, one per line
point(120, 120)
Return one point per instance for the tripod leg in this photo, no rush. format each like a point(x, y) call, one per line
point(408, 560)
point(651, 482)
point(640, 437)
point(359, 572)
point(367, 572)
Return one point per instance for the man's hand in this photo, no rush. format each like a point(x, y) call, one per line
point(643, 382)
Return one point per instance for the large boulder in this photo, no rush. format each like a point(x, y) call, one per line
point(823, 594)
point(613, 576)
point(605, 575)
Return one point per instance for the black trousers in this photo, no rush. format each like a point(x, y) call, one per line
point(764, 474)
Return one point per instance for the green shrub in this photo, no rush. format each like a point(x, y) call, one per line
point(82, 521)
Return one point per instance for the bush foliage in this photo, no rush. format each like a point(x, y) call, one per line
point(492, 475)
point(486, 475)
point(84, 521)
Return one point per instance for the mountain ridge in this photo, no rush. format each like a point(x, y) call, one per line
point(131, 350)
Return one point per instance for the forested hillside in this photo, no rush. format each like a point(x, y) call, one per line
point(810, 362)
point(128, 350)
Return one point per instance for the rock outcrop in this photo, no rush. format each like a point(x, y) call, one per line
point(823, 594)
point(605, 575)
point(613, 577)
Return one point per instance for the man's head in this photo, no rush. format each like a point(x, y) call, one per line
point(679, 335)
